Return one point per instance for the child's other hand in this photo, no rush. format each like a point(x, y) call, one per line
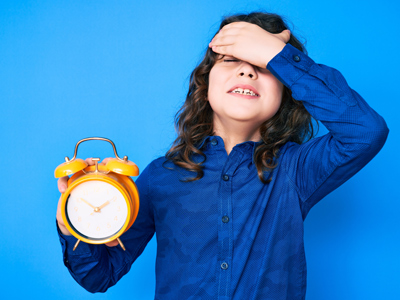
point(62, 187)
point(249, 42)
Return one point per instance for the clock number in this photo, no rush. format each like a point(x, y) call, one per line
point(119, 208)
point(75, 208)
point(88, 225)
point(79, 219)
point(108, 225)
point(114, 199)
point(116, 218)
point(98, 228)
point(96, 189)
point(85, 192)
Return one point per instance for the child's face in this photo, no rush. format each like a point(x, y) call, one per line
point(242, 92)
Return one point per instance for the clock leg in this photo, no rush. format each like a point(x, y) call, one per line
point(76, 244)
point(120, 243)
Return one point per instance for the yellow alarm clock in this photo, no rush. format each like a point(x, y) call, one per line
point(101, 202)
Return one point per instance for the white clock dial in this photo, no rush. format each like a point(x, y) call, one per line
point(96, 209)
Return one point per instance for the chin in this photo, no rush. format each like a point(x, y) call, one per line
point(246, 119)
point(247, 116)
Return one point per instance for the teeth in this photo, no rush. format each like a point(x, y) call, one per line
point(244, 92)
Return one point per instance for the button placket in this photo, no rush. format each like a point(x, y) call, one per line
point(225, 226)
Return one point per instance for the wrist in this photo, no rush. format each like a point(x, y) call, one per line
point(272, 53)
point(63, 229)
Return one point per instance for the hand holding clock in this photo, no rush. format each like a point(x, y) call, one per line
point(62, 187)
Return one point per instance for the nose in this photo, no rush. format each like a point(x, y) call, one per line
point(247, 70)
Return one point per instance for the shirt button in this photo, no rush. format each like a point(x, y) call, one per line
point(225, 219)
point(214, 142)
point(296, 58)
point(224, 266)
point(225, 177)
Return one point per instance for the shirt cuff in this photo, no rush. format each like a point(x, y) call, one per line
point(289, 65)
point(68, 242)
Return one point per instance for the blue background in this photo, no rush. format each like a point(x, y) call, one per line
point(119, 69)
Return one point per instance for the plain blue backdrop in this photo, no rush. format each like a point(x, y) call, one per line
point(119, 69)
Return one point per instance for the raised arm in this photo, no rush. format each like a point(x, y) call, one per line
point(356, 131)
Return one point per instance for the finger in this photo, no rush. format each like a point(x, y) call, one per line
point(224, 50)
point(224, 41)
point(284, 35)
point(234, 25)
point(60, 221)
point(89, 161)
point(58, 215)
point(231, 31)
point(106, 160)
point(112, 243)
point(62, 184)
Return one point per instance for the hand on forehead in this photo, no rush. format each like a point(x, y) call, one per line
point(249, 42)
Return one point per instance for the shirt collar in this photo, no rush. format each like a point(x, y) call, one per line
point(213, 140)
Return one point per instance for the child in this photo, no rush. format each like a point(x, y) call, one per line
point(229, 199)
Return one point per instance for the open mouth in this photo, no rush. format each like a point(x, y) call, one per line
point(244, 90)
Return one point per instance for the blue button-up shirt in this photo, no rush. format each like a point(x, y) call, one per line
point(228, 235)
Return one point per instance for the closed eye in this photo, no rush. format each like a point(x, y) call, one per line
point(231, 60)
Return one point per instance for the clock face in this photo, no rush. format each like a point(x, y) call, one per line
point(96, 209)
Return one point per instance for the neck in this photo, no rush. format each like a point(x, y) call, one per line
point(236, 132)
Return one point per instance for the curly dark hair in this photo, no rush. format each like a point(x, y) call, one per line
point(194, 121)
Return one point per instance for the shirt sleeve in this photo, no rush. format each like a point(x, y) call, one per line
point(98, 267)
point(356, 131)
